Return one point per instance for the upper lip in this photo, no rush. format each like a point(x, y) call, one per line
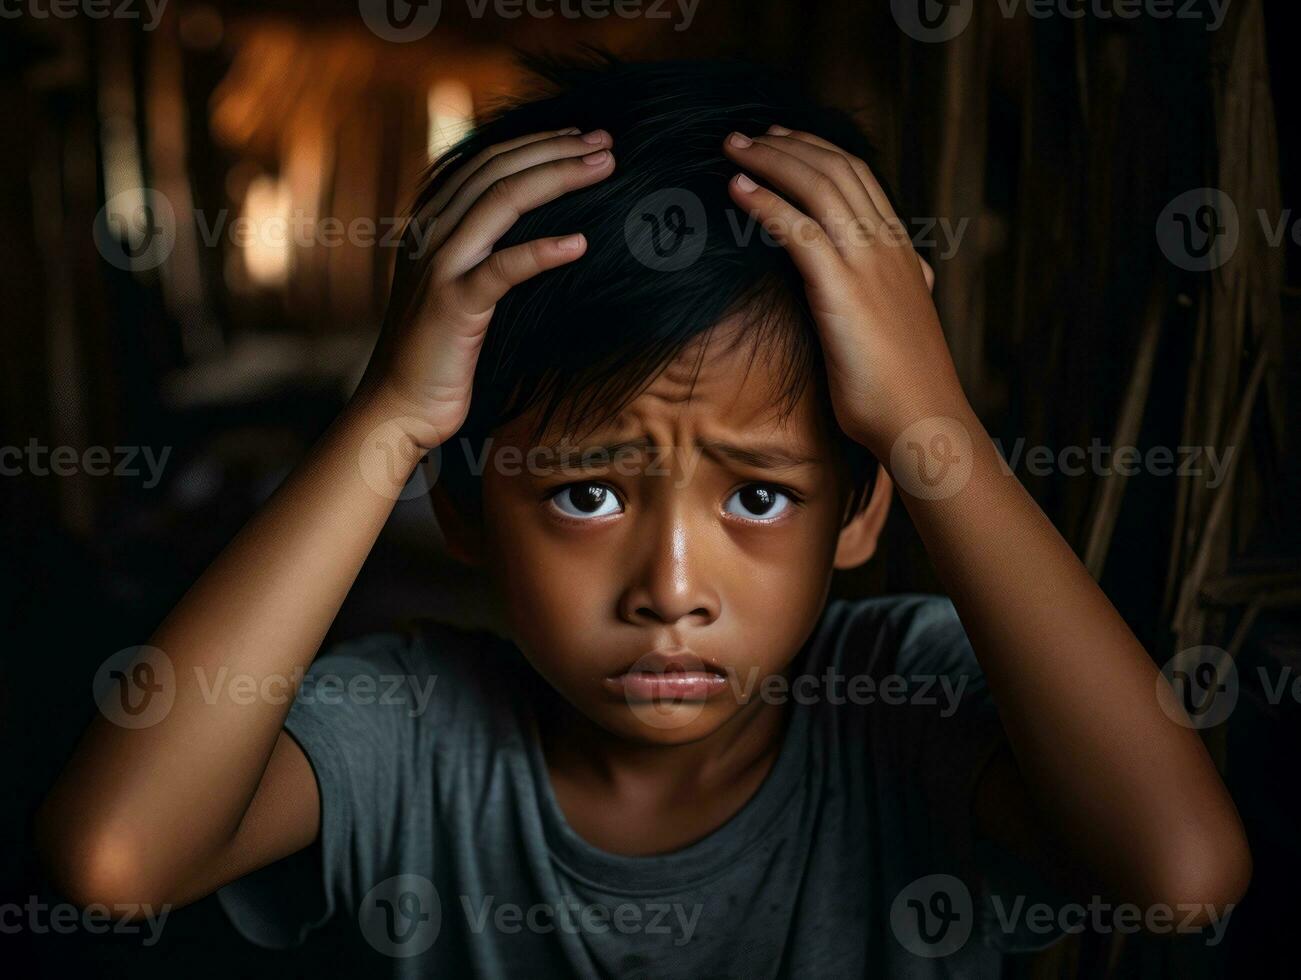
point(675, 659)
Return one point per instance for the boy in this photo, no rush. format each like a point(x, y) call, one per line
point(684, 761)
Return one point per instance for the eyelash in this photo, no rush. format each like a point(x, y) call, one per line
point(794, 496)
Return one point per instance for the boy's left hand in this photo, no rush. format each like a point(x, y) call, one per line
point(1095, 760)
point(887, 362)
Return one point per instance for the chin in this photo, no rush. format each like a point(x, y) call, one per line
point(661, 725)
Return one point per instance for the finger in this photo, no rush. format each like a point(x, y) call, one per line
point(501, 205)
point(864, 172)
point(816, 193)
point(469, 168)
point(504, 165)
point(485, 284)
point(512, 161)
point(805, 240)
point(835, 165)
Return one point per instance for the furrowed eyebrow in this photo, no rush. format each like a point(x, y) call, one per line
point(764, 457)
point(598, 455)
point(759, 456)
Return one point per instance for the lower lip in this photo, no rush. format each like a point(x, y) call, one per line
point(691, 685)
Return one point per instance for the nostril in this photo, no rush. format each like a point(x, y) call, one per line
point(649, 613)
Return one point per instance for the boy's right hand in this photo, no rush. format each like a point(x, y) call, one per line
point(423, 366)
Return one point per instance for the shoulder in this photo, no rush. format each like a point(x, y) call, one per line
point(423, 671)
point(896, 633)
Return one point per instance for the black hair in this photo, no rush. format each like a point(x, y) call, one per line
point(579, 342)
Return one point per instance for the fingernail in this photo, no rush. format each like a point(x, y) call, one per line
point(778, 130)
point(596, 136)
point(597, 158)
point(736, 139)
point(745, 183)
point(570, 243)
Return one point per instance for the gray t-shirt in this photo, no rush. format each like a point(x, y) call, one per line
point(442, 841)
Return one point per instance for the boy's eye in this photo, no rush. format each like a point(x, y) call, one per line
point(583, 500)
point(757, 502)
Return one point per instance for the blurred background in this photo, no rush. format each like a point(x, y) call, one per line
point(199, 210)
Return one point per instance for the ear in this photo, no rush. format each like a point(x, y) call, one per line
point(462, 532)
point(858, 538)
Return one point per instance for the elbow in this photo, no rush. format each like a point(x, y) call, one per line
point(90, 871)
point(1203, 879)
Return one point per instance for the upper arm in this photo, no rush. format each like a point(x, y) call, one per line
point(283, 817)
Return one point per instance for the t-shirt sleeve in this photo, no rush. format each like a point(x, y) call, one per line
point(357, 717)
point(941, 729)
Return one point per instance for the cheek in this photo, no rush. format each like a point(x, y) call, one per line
point(776, 589)
point(554, 591)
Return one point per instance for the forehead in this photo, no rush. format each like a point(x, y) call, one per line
point(723, 383)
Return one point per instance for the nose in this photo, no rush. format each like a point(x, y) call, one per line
point(671, 582)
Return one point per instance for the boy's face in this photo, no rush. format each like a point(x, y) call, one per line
point(660, 585)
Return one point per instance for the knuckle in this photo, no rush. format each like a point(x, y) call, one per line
point(497, 266)
point(501, 192)
point(438, 268)
point(842, 166)
point(864, 172)
point(822, 184)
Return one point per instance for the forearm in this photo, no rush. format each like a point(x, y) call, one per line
point(164, 796)
point(1133, 792)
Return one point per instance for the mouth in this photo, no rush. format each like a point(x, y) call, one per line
point(673, 675)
